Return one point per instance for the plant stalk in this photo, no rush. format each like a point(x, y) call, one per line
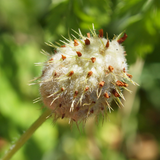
point(14, 148)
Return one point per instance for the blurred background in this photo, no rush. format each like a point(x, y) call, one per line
point(129, 133)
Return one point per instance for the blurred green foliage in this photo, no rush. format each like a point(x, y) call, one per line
point(24, 27)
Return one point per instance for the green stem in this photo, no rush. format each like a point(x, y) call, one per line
point(27, 135)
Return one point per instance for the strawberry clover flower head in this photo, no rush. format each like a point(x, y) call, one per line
point(84, 76)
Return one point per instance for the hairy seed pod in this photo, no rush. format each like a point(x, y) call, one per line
point(84, 76)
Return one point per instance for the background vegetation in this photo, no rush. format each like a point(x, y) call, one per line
point(130, 133)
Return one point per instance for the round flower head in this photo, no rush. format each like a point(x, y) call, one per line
point(84, 76)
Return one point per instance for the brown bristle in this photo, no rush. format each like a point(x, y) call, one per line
point(101, 84)
point(87, 88)
point(107, 44)
point(87, 41)
point(129, 75)
point(76, 42)
point(63, 57)
point(63, 46)
point(115, 93)
point(77, 108)
point(106, 95)
point(91, 111)
point(51, 60)
point(79, 54)
point(73, 119)
point(63, 115)
point(75, 93)
point(110, 68)
point(102, 108)
point(93, 59)
point(88, 35)
point(43, 73)
point(121, 40)
point(71, 73)
point(55, 73)
point(90, 73)
point(101, 33)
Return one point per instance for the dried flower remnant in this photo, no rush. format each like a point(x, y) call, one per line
point(84, 76)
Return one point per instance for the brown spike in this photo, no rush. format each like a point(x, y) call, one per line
point(63, 57)
point(71, 73)
point(124, 70)
point(76, 42)
point(60, 105)
point(77, 108)
point(63, 115)
point(110, 68)
point(106, 95)
point(93, 59)
point(63, 46)
point(43, 73)
point(90, 73)
point(62, 89)
point(87, 41)
point(75, 94)
point(107, 44)
point(125, 85)
point(74, 119)
point(121, 40)
point(115, 93)
point(102, 108)
point(91, 111)
point(51, 60)
point(129, 75)
point(101, 84)
point(121, 84)
point(88, 35)
point(79, 54)
point(55, 73)
point(86, 89)
point(101, 33)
